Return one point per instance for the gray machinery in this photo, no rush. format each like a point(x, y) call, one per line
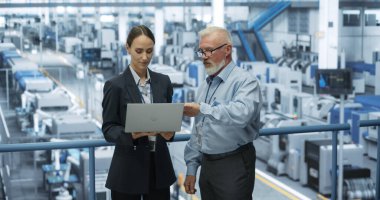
point(7, 46)
point(308, 73)
point(176, 77)
point(41, 106)
point(287, 150)
point(318, 108)
point(263, 143)
point(265, 72)
point(67, 44)
point(318, 158)
point(295, 168)
point(40, 84)
point(272, 96)
point(103, 159)
point(70, 123)
point(372, 136)
point(290, 79)
point(171, 52)
point(281, 61)
point(22, 64)
point(292, 103)
point(278, 145)
point(294, 64)
point(184, 38)
point(57, 100)
point(284, 153)
point(377, 79)
point(108, 46)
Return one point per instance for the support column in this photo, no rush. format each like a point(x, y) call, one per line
point(158, 30)
point(328, 34)
point(377, 81)
point(123, 19)
point(218, 13)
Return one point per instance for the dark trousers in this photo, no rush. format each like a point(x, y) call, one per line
point(228, 178)
point(154, 192)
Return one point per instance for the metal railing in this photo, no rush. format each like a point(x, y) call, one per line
point(91, 144)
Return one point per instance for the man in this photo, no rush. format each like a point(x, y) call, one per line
point(227, 117)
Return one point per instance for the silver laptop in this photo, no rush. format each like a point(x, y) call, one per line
point(156, 117)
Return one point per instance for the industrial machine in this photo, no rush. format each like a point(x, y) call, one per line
point(176, 77)
point(372, 136)
point(195, 73)
point(265, 72)
point(103, 158)
point(318, 155)
point(277, 160)
point(67, 44)
point(70, 123)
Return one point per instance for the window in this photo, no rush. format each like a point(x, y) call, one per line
point(372, 17)
point(351, 17)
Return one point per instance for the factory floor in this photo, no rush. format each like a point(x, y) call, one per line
point(267, 186)
point(27, 177)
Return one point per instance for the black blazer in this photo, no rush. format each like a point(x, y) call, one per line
point(129, 170)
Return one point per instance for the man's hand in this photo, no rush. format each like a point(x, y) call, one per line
point(167, 135)
point(191, 109)
point(190, 184)
point(136, 135)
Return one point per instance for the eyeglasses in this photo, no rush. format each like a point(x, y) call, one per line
point(201, 52)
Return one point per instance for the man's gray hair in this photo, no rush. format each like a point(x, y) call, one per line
point(216, 29)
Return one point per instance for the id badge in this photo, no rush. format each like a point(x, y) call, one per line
point(199, 133)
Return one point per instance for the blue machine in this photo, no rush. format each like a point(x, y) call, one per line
point(313, 70)
point(24, 81)
point(358, 133)
point(32, 80)
point(5, 55)
point(195, 73)
point(20, 74)
point(354, 114)
point(178, 95)
point(361, 67)
point(368, 100)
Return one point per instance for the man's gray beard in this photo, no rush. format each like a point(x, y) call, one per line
point(216, 68)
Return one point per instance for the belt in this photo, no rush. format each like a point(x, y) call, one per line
point(230, 153)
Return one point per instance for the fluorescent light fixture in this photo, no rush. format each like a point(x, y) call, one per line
point(71, 10)
point(107, 18)
point(60, 9)
point(351, 12)
point(88, 10)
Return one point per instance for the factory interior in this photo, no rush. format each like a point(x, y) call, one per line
point(318, 63)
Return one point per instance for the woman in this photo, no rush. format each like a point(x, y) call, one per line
point(141, 165)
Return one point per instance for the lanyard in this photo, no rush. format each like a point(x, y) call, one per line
point(208, 89)
point(209, 101)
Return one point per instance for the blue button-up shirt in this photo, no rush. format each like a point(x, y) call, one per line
point(229, 115)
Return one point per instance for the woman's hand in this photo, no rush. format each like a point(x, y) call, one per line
point(136, 135)
point(167, 135)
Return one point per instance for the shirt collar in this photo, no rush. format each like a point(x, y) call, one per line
point(224, 73)
point(136, 76)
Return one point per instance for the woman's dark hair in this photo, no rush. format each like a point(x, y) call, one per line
point(137, 31)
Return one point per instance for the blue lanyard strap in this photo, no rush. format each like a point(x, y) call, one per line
point(208, 89)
